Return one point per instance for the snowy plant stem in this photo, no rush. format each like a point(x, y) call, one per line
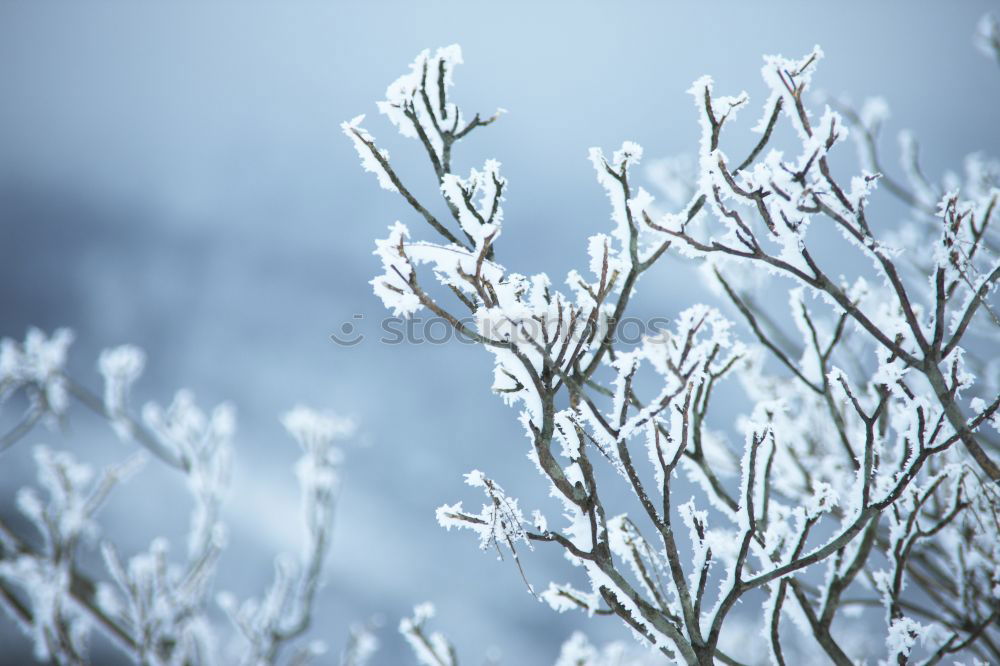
point(23, 427)
point(405, 193)
point(141, 435)
point(959, 423)
point(82, 590)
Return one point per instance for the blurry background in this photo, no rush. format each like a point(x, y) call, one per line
point(174, 176)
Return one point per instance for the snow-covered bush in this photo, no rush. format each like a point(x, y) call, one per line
point(862, 473)
point(156, 608)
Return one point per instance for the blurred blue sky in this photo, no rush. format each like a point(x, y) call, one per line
point(173, 175)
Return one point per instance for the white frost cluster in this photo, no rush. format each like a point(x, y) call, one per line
point(500, 523)
point(430, 649)
point(36, 363)
point(120, 367)
point(477, 200)
point(418, 99)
